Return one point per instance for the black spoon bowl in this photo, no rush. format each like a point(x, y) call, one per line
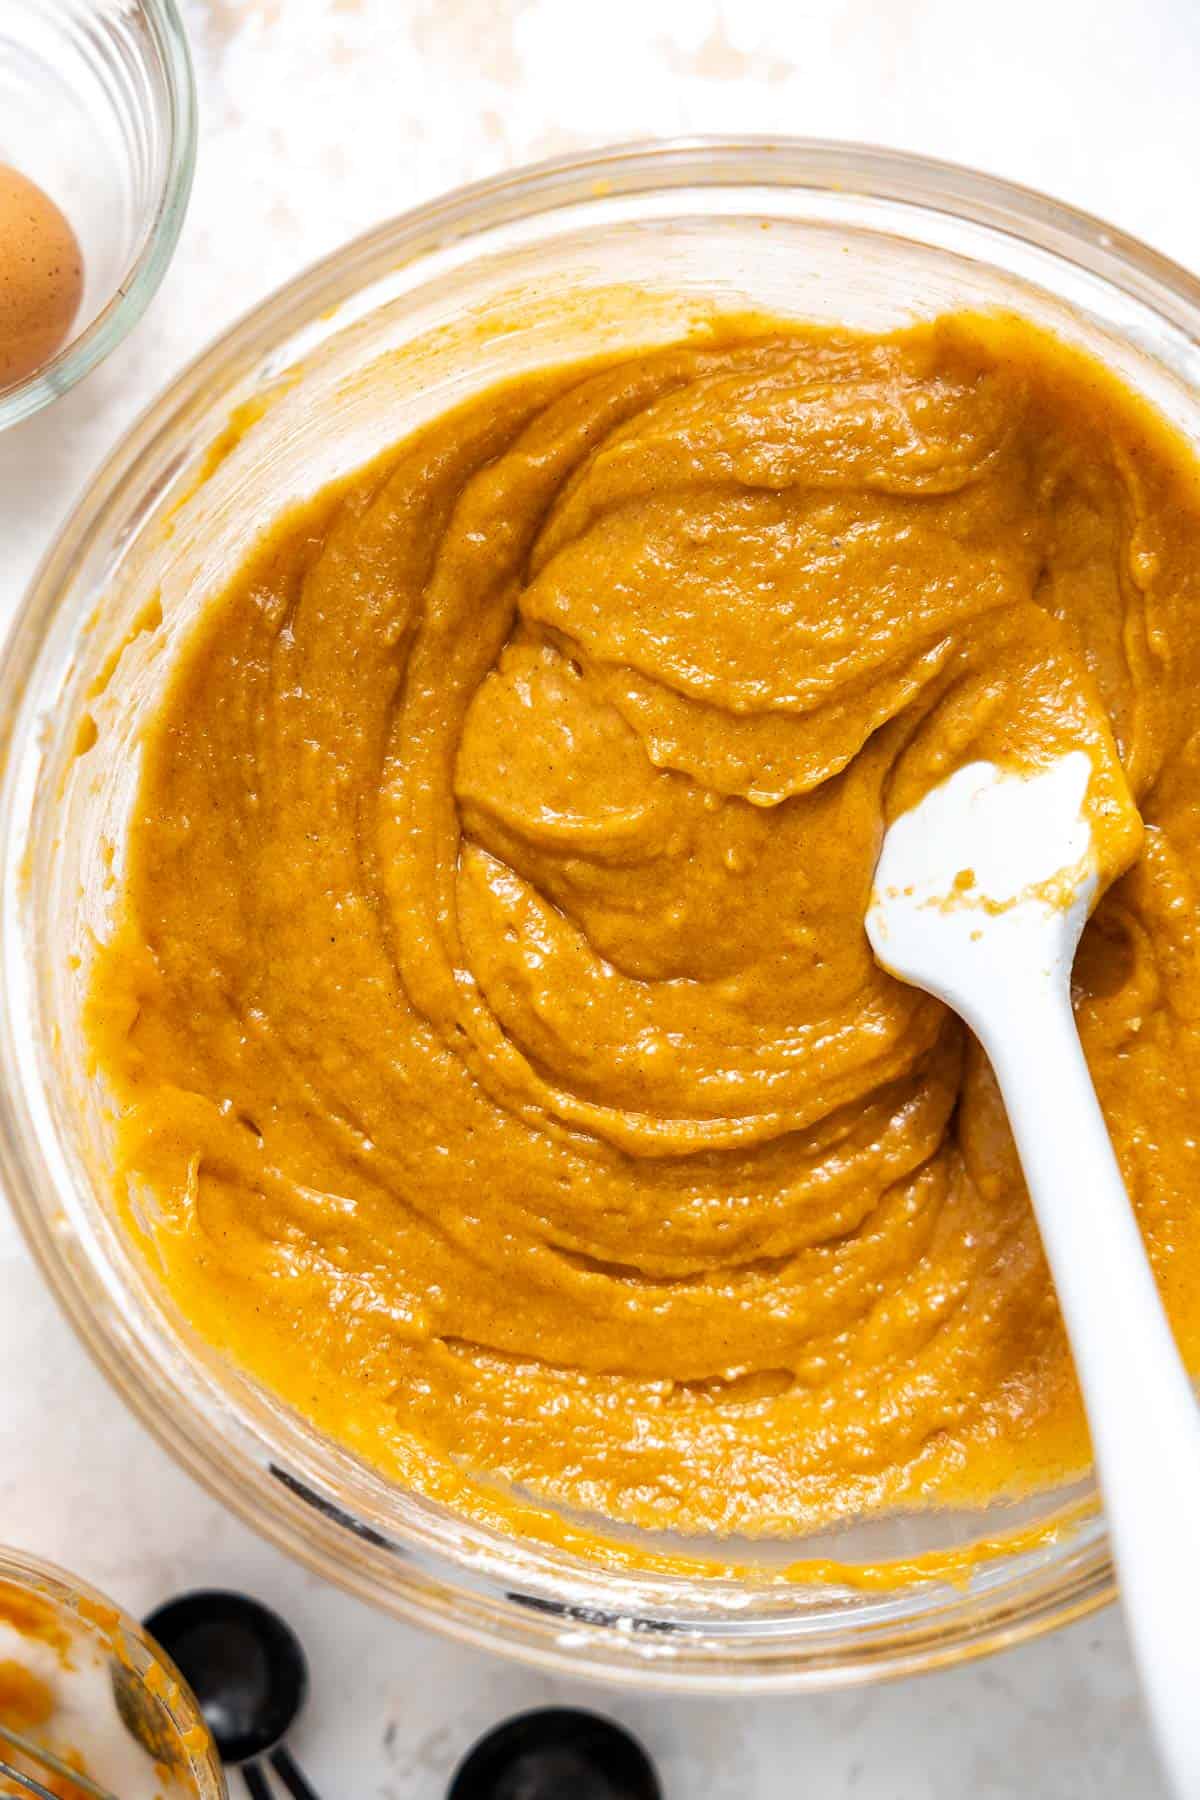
point(249, 1675)
point(556, 1753)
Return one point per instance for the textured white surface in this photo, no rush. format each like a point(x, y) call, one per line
point(321, 117)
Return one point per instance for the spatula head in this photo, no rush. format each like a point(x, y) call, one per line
point(995, 870)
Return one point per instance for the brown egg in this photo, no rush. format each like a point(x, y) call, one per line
point(41, 277)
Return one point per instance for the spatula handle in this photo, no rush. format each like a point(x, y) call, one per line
point(1142, 1411)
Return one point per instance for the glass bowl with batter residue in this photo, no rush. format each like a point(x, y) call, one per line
point(82, 1681)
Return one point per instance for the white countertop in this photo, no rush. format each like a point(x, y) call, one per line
point(320, 117)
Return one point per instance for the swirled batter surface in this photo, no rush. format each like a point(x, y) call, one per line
point(490, 1011)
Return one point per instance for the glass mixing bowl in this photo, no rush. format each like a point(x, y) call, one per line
point(118, 1700)
point(628, 248)
point(97, 107)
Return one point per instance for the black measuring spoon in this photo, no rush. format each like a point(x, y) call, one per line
point(249, 1675)
point(556, 1753)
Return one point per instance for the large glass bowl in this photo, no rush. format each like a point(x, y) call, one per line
point(622, 249)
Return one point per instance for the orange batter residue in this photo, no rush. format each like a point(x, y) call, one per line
point(490, 1012)
point(34, 1617)
point(25, 1699)
point(29, 1704)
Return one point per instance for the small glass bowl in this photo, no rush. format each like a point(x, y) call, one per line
point(119, 1702)
point(607, 253)
point(97, 106)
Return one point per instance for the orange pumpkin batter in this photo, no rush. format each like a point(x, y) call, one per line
point(490, 1011)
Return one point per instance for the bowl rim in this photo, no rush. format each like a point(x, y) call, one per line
point(638, 168)
point(121, 311)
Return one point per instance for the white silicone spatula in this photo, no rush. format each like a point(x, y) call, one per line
point(981, 893)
